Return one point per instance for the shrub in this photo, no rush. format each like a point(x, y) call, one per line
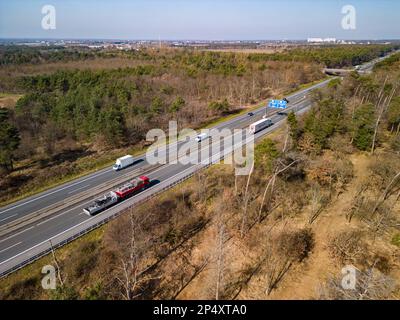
point(265, 154)
point(22, 290)
point(347, 247)
point(363, 126)
point(296, 245)
point(396, 240)
point(220, 106)
point(370, 285)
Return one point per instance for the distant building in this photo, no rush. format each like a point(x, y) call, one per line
point(347, 42)
point(314, 40)
point(321, 40)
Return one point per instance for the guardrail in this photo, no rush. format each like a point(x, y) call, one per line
point(118, 213)
point(39, 215)
point(98, 224)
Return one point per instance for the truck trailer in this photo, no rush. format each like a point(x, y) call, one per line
point(260, 125)
point(117, 195)
point(123, 162)
point(101, 204)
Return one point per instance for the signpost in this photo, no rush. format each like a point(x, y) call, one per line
point(278, 104)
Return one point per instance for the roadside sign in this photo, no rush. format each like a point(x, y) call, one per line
point(278, 104)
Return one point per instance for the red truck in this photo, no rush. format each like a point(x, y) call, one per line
point(131, 187)
point(120, 194)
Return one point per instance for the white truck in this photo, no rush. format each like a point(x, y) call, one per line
point(123, 162)
point(260, 125)
point(202, 137)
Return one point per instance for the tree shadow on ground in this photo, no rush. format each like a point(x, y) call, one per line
point(65, 156)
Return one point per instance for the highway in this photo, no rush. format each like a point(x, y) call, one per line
point(55, 195)
point(366, 68)
point(27, 226)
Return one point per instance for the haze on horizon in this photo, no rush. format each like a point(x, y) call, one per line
point(200, 20)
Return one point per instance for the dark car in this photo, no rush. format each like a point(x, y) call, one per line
point(287, 101)
point(250, 114)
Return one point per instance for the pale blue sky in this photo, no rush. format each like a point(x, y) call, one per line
point(200, 19)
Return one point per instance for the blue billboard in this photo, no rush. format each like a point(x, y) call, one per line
point(278, 104)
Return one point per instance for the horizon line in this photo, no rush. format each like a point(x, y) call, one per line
point(194, 39)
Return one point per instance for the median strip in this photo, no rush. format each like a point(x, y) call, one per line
point(68, 202)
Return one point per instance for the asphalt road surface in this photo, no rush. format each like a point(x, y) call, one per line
point(23, 238)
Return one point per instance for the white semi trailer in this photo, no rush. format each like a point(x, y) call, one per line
point(260, 125)
point(123, 162)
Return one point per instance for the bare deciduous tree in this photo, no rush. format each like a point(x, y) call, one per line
point(319, 201)
point(369, 285)
point(185, 282)
point(220, 259)
point(60, 276)
point(358, 202)
point(387, 192)
point(246, 202)
point(282, 251)
point(130, 272)
point(382, 108)
point(222, 238)
point(269, 189)
point(347, 247)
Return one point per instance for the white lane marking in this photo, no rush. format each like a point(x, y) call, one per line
point(8, 217)
point(55, 191)
point(69, 229)
point(49, 206)
point(75, 190)
point(15, 234)
point(76, 226)
point(14, 245)
point(60, 214)
point(96, 175)
point(82, 205)
point(51, 218)
point(37, 245)
point(99, 174)
point(150, 173)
